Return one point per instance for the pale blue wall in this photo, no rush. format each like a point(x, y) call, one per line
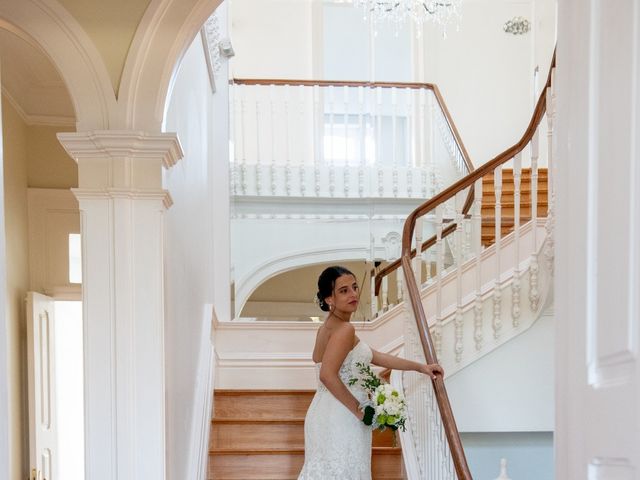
point(529, 454)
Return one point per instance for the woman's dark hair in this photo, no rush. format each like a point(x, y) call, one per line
point(327, 282)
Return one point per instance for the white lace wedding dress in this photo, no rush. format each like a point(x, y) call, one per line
point(337, 446)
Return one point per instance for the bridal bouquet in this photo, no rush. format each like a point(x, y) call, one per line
point(386, 407)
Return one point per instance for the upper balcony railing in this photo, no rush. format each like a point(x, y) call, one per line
point(310, 138)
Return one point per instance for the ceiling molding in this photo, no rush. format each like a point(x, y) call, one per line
point(38, 120)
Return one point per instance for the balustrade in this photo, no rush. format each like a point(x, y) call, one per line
point(509, 255)
point(342, 139)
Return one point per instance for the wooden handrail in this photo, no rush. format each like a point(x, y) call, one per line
point(349, 83)
point(467, 181)
point(448, 420)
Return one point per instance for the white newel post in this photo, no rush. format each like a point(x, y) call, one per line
point(122, 206)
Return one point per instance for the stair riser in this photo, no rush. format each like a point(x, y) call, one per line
point(262, 406)
point(247, 436)
point(281, 466)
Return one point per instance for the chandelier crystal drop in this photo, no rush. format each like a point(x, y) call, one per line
point(440, 12)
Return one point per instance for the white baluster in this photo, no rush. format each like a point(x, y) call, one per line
point(287, 142)
point(466, 244)
point(394, 155)
point(379, 141)
point(534, 292)
point(363, 152)
point(425, 256)
point(497, 288)
point(234, 135)
point(425, 140)
point(477, 307)
point(302, 161)
point(345, 171)
point(272, 167)
point(332, 173)
point(374, 298)
point(503, 470)
point(319, 118)
point(258, 176)
point(385, 293)
point(410, 152)
point(399, 285)
point(549, 249)
point(432, 154)
point(459, 324)
point(439, 268)
point(417, 260)
point(515, 284)
point(243, 130)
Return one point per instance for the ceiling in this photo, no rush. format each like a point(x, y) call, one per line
point(32, 85)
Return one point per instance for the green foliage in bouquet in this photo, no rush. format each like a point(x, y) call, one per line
point(393, 415)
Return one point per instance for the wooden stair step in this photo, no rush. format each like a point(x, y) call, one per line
point(277, 433)
point(386, 463)
point(262, 404)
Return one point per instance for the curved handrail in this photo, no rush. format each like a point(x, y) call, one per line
point(347, 83)
point(448, 420)
point(464, 183)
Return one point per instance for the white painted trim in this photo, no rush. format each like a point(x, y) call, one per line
point(271, 267)
point(38, 120)
point(163, 36)
point(409, 453)
point(52, 214)
point(119, 143)
point(134, 194)
point(202, 412)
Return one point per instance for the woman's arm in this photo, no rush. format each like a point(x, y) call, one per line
point(339, 345)
point(396, 363)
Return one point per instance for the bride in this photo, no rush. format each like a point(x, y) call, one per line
point(337, 442)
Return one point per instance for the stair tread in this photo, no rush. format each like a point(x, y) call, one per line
point(290, 451)
point(245, 420)
point(242, 392)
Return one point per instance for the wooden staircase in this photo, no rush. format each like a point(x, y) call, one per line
point(507, 202)
point(259, 434)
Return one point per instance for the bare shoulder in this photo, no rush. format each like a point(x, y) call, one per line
point(344, 331)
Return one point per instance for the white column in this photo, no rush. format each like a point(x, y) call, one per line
point(122, 205)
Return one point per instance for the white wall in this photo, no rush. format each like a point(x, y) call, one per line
point(271, 39)
point(486, 75)
point(195, 235)
point(14, 283)
point(529, 455)
point(512, 388)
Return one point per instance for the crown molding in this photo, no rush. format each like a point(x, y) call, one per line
point(38, 120)
point(122, 143)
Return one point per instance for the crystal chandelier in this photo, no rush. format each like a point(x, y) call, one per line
point(441, 12)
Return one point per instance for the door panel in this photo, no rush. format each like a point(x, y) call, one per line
point(43, 429)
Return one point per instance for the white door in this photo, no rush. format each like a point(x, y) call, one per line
point(43, 428)
point(597, 290)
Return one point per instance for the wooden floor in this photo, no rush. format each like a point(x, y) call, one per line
point(259, 434)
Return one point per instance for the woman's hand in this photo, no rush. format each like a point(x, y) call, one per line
point(432, 370)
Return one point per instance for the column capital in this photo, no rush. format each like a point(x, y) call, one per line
point(121, 159)
point(122, 144)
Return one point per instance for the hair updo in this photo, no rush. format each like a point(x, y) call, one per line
point(327, 282)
